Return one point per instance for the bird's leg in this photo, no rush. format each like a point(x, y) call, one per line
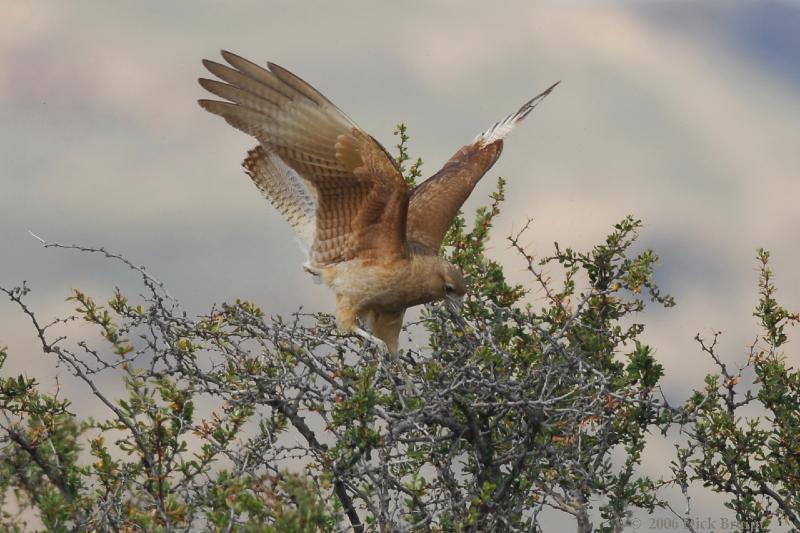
point(371, 338)
point(347, 321)
point(386, 326)
point(346, 315)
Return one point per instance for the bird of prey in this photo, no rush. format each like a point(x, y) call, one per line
point(370, 237)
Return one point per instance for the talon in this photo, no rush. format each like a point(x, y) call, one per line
point(371, 338)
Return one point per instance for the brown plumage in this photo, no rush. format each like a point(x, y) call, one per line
point(371, 239)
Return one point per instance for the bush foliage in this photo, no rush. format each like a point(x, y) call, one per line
point(536, 398)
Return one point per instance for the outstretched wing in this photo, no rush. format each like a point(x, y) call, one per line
point(286, 190)
point(436, 201)
point(361, 200)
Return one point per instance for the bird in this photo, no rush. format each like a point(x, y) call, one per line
point(369, 236)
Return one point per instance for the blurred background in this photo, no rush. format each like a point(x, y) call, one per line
point(683, 114)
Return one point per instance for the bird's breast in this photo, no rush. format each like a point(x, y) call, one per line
point(389, 286)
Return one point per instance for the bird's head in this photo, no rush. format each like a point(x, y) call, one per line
point(438, 280)
point(453, 286)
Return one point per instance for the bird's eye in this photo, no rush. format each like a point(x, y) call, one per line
point(449, 288)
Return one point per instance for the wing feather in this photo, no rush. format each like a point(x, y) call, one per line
point(436, 201)
point(500, 129)
point(238, 79)
point(360, 198)
point(285, 190)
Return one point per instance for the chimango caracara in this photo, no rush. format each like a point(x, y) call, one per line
point(370, 237)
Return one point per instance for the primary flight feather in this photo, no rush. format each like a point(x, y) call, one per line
point(370, 237)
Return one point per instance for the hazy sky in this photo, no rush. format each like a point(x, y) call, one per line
point(684, 114)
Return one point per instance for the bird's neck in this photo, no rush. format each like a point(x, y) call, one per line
point(424, 273)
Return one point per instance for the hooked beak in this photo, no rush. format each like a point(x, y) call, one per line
point(454, 303)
